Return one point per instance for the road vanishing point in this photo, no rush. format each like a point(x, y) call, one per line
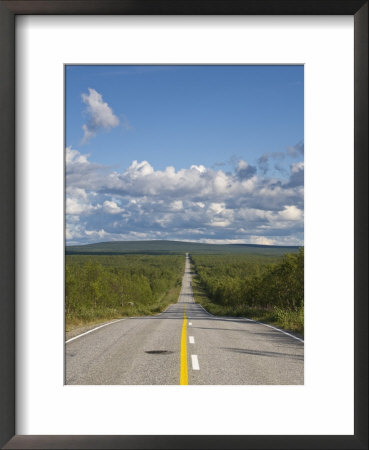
point(184, 345)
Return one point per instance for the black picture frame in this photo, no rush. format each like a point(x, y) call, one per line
point(8, 12)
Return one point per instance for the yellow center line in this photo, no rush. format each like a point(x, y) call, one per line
point(183, 372)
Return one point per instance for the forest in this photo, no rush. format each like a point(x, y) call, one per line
point(267, 289)
point(101, 287)
point(260, 283)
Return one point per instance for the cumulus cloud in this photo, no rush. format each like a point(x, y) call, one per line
point(100, 233)
point(112, 207)
point(79, 202)
point(290, 212)
point(99, 113)
point(195, 203)
point(244, 171)
point(74, 157)
point(177, 205)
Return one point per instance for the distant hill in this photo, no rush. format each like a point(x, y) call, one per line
point(161, 247)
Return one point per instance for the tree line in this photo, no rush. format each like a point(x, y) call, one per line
point(236, 281)
point(107, 286)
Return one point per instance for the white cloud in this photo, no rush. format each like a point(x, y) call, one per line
point(77, 192)
point(75, 157)
point(297, 167)
point(199, 204)
point(79, 202)
point(111, 207)
point(78, 206)
point(220, 223)
point(140, 179)
point(291, 212)
point(200, 168)
point(180, 204)
point(217, 208)
point(96, 234)
point(177, 205)
point(261, 240)
point(73, 230)
point(138, 169)
point(100, 114)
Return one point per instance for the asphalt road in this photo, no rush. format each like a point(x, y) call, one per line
point(184, 345)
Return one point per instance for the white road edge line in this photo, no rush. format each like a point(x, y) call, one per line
point(195, 362)
point(191, 339)
point(278, 329)
point(255, 321)
point(90, 331)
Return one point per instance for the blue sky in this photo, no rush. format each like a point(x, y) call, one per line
point(205, 153)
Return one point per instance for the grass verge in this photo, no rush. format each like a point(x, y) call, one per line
point(92, 316)
point(288, 320)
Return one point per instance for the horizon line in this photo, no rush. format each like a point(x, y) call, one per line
point(184, 242)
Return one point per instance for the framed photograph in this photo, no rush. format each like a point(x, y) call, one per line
point(179, 256)
point(163, 162)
